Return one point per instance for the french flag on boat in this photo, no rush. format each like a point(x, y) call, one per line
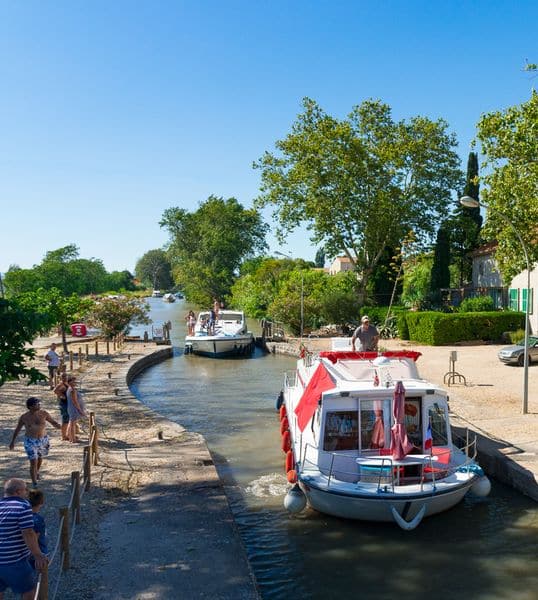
point(428, 440)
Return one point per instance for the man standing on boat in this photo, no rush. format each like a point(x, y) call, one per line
point(367, 335)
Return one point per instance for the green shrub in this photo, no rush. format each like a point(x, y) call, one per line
point(437, 328)
point(478, 304)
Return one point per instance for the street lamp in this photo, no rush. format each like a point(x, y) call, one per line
point(302, 290)
point(469, 202)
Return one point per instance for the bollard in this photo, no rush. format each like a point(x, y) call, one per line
point(116, 391)
point(128, 357)
point(114, 344)
point(160, 435)
point(70, 360)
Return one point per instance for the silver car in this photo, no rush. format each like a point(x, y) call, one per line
point(514, 355)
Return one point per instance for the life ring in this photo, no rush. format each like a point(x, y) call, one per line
point(289, 460)
point(286, 441)
point(283, 412)
point(291, 476)
point(284, 425)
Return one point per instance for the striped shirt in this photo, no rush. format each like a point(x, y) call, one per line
point(15, 515)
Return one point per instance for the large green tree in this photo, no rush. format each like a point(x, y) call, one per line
point(509, 140)
point(61, 269)
point(61, 311)
point(154, 270)
point(359, 184)
point(18, 329)
point(440, 273)
point(208, 246)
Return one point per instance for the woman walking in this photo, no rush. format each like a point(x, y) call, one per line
point(75, 408)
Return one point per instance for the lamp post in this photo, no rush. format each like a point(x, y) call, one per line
point(469, 202)
point(302, 290)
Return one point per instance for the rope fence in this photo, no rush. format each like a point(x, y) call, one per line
point(70, 517)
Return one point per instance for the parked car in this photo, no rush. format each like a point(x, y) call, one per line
point(514, 355)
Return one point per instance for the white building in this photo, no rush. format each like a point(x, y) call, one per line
point(340, 264)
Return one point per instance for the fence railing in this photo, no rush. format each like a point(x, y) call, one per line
point(70, 516)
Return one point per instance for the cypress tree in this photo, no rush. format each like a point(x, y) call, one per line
point(440, 273)
point(465, 224)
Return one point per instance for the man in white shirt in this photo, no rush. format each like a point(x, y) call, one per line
point(53, 361)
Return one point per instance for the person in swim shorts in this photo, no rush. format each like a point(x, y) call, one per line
point(36, 440)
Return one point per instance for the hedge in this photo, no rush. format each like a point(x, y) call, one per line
point(436, 328)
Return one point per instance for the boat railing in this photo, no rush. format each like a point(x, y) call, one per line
point(467, 444)
point(385, 471)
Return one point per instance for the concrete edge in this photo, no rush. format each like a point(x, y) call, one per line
point(125, 376)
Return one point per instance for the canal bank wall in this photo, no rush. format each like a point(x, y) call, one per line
point(487, 402)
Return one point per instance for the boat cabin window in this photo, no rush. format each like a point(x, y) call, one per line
point(437, 417)
point(375, 424)
point(413, 421)
point(341, 430)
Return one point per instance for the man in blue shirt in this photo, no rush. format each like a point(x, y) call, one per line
point(18, 542)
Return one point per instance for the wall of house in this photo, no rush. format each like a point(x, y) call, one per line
point(520, 283)
point(485, 273)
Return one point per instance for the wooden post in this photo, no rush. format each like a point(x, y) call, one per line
point(79, 356)
point(107, 347)
point(70, 360)
point(75, 484)
point(87, 468)
point(64, 537)
point(96, 348)
point(87, 351)
point(94, 441)
point(114, 344)
point(43, 590)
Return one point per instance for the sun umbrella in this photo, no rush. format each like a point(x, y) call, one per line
point(400, 444)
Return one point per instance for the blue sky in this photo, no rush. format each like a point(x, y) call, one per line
point(111, 112)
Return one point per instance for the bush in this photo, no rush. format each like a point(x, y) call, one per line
point(478, 304)
point(439, 328)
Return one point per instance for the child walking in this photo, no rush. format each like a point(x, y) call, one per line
point(37, 499)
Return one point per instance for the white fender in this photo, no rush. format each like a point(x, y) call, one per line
point(295, 500)
point(408, 525)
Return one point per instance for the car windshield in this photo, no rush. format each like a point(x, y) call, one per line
point(532, 341)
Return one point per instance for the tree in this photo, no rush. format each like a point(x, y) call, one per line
point(154, 270)
point(120, 281)
point(208, 246)
point(18, 329)
point(320, 258)
point(115, 315)
point(440, 273)
point(361, 183)
point(61, 269)
point(509, 141)
point(465, 225)
point(61, 311)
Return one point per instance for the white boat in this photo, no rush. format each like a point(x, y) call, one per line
point(366, 438)
point(227, 337)
point(157, 294)
point(169, 298)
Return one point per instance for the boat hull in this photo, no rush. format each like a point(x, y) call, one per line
point(379, 507)
point(216, 346)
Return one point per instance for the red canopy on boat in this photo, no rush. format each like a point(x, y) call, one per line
point(320, 382)
point(334, 355)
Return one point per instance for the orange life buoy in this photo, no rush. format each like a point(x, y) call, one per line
point(292, 476)
point(284, 425)
point(289, 460)
point(286, 441)
point(282, 412)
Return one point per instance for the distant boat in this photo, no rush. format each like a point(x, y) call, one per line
point(169, 298)
point(228, 337)
point(157, 294)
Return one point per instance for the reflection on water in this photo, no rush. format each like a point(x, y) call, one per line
point(481, 549)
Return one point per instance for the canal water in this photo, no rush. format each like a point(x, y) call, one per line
point(481, 549)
